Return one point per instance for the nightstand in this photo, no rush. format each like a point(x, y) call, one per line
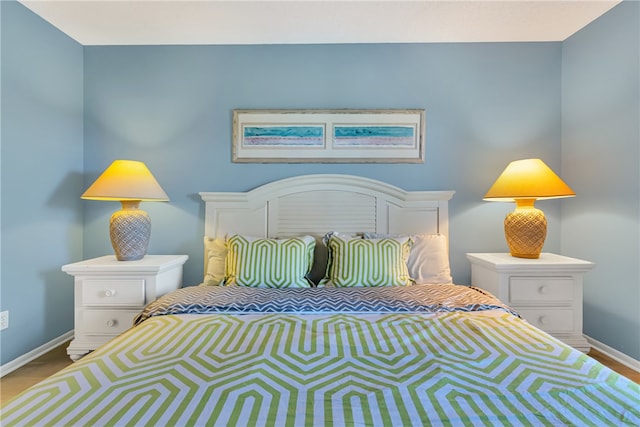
point(546, 291)
point(110, 293)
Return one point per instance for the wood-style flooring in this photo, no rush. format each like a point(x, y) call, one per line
point(50, 363)
point(33, 372)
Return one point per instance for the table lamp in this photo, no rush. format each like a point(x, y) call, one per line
point(129, 182)
point(523, 182)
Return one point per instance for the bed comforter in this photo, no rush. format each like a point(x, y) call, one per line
point(420, 355)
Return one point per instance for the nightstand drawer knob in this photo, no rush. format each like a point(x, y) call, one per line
point(544, 289)
point(110, 292)
point(112, 323)
point(542, 320)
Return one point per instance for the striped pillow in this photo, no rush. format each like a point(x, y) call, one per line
point(428, 260)
point(269, 263)
point(370, 262)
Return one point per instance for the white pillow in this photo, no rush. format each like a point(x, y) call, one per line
point(428, 260)
point(216, 250)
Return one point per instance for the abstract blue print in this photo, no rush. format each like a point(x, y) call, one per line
point(293, 136)
point(373, 136)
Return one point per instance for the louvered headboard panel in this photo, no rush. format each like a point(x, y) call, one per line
point(317, 204)
point(318, 211)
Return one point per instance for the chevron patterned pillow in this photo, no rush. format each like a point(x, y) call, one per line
point(367, 262)
point(269, 263)
point(428, 260)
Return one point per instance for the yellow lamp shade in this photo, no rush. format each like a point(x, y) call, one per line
point(126, 180)
point(129, 182)
point(522, 182)
point(527, 179)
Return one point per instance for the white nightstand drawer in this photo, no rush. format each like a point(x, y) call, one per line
point(109, 294)
point(546, 291)
point(108, 322)
point(536, 289)
point(113, 292)
point(550, 320)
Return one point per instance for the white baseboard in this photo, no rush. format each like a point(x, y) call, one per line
point(616, 355)
point(19, 362)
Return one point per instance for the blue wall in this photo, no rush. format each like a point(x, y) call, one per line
point(42, 122)
point(601, 157)
point(171, 106)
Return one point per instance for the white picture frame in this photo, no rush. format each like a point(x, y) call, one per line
point(328, 136)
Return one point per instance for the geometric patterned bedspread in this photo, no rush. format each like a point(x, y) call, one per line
point(485, 367)
point(386, 299)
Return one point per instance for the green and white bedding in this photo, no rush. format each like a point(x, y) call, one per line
point(418, 355)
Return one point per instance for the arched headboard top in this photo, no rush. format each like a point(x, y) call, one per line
point(319, 203)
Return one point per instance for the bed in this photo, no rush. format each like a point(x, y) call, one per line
point(328, 300)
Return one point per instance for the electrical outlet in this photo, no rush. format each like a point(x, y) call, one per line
point(4, 320)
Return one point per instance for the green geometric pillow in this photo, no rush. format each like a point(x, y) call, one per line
point(270, 263)
point(370, 262)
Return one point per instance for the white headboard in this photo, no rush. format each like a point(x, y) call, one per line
point(317, 204)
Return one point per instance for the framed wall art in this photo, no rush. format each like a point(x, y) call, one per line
point(328, 136)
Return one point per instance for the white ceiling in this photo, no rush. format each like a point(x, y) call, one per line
point(151, 22)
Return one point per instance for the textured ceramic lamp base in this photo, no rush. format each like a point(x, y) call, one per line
point(130, 229)
point(525, 230)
